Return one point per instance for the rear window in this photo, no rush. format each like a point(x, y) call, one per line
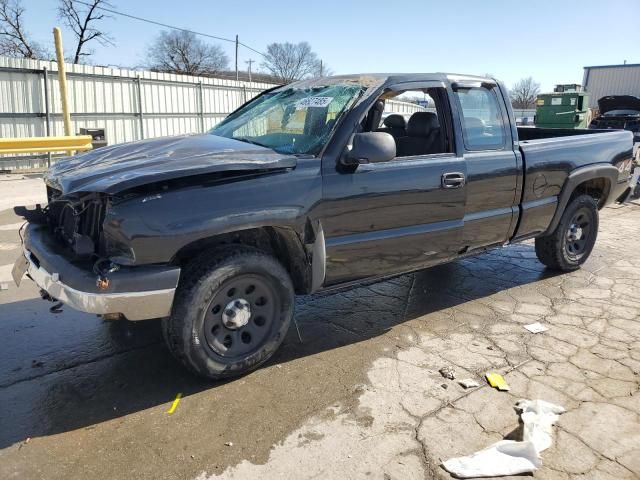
point(482, 123)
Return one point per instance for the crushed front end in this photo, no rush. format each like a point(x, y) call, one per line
point(66, 253)
point(76, 221)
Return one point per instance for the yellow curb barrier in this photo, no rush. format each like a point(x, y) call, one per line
point(45, 144)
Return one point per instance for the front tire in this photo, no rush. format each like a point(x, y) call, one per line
point(232, 311)
point(571, 243)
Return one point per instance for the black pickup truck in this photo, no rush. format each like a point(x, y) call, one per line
point(304, 188)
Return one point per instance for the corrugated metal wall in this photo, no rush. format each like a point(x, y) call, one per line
point(129, 105)
point(611, 80)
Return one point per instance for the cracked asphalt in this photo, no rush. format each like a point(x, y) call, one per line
point(359, 397)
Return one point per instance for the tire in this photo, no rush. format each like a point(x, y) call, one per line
point(231, 312)
point(571, 243)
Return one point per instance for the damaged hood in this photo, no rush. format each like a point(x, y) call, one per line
point(618, 102)
point(120, 167)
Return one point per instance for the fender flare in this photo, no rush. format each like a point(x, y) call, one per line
point(575, 178)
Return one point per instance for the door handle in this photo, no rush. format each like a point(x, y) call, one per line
point(453, 180)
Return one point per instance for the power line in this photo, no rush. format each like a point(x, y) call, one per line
point(153, 22)
point(252, 49)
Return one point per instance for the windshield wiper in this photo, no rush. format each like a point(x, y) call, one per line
point(253, 142)
point(275, 149)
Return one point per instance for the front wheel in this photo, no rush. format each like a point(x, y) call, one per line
point(232, 311)
point(571, 243)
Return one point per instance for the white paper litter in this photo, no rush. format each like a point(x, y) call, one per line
point(536, 327)
point(468, 383)
point(509, 457)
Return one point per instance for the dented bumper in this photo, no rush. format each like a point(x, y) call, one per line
point(137, 293)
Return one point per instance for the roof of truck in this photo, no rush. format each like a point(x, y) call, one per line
point(378, 79)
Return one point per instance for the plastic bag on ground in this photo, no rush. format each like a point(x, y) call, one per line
point(509, 457)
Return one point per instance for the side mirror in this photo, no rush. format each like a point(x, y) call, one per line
point(371, 147)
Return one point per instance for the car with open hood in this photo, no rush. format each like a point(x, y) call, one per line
point(618, 112)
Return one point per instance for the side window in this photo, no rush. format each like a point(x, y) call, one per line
point(482, 123)
point(414, 118)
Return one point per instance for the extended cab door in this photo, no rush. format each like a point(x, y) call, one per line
point(493, 168)
point(386, 218)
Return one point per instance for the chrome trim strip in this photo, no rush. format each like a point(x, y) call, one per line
point(133, 305)
point(391, 233)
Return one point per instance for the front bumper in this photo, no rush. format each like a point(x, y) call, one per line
point(137, 293)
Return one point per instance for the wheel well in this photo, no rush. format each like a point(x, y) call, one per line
point(282, 243)
point(598, 188)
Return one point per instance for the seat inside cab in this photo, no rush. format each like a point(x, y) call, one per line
point(394, 124)
point(412, 118)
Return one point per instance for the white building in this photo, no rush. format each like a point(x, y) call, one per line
point(603, 80)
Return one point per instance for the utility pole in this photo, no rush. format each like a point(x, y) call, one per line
point(250, 61)
point(237, 58)
point(62, 80)
point(320, 67)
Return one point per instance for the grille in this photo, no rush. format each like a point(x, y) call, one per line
point(76, 221)
point(611, 124)
point(91, 220)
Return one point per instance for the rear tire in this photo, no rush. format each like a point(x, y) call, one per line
point(571, 243)
point(232, 311)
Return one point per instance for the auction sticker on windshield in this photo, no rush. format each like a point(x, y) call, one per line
point(320, 102)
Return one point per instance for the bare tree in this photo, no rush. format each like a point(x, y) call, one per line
point(179, 51)
point(80, 17)
point(14, 40)
point(523, 94)
point(292, 61)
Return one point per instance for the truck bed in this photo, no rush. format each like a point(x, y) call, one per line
point(535, 133)
point(568, 150)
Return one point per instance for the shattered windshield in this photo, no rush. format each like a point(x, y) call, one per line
point(294, 120)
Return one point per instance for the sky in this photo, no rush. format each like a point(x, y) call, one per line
point(549, 40)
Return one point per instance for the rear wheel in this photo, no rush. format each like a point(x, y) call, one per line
point(232, 311)
point(571, 243)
